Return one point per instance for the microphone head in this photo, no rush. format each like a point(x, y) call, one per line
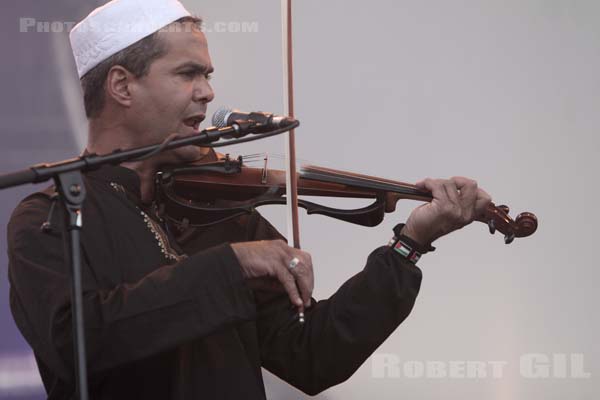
point(219, 118)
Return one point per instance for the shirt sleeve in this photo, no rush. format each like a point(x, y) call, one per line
point(339, 333)
point(171, 305)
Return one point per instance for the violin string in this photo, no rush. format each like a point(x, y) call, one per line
point(349, 178)
point(247, 159)
point(255, 155)
point(260, 157)
point(342, 174)
point(356, 179)
point(366, 178)
point(319, 174)
point(383, 181)
point(393, 186)
point(282, 157)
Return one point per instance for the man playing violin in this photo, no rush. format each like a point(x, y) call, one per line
point(181, 320)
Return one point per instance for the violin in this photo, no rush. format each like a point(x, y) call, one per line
point(221, 188)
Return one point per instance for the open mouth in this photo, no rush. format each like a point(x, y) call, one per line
point(194, 122)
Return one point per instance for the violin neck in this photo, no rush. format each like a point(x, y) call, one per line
point(400, 189)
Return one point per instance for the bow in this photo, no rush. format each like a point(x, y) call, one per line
point(293, 230)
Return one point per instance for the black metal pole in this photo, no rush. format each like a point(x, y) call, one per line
point(72, 195)
point(78, 326)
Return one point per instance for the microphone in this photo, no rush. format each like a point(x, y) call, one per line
point(260, 122)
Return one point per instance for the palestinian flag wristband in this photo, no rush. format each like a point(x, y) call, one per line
point(407, 247)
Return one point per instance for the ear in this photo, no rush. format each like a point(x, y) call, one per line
point(118, 84)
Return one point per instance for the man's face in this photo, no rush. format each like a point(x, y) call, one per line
point(173, 96)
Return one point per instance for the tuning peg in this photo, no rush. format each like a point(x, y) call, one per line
point(508, 238)
point(492, 226)
point(504, 209)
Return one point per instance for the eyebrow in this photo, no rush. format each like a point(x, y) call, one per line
point(200, 68)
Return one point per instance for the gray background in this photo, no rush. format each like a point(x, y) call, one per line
point(506, 92)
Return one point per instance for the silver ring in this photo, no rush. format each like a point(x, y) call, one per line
point(295, 261)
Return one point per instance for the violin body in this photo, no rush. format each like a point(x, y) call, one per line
point(220, 189)
point(206, 194)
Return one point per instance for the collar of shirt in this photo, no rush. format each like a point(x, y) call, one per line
point(125, 177)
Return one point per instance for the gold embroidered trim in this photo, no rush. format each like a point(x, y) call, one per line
point(161, 238)
point(117, 187)
point(156, 230)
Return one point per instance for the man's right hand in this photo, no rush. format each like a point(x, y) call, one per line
point(268, 261)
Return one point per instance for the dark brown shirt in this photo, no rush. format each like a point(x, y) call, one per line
point(163, 325)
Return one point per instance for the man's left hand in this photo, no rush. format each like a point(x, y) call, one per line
point(457, 202)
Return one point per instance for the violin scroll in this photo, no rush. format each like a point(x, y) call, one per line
point(497, 218)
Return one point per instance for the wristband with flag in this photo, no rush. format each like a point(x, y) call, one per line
point(407, 247)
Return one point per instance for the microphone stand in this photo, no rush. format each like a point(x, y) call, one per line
point(67, 176)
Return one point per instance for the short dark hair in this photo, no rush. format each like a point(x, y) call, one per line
point(136, 58)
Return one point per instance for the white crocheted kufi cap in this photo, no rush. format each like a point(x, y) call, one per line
point(119, 24)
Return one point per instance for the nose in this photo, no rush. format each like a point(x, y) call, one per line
point(203, 91)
